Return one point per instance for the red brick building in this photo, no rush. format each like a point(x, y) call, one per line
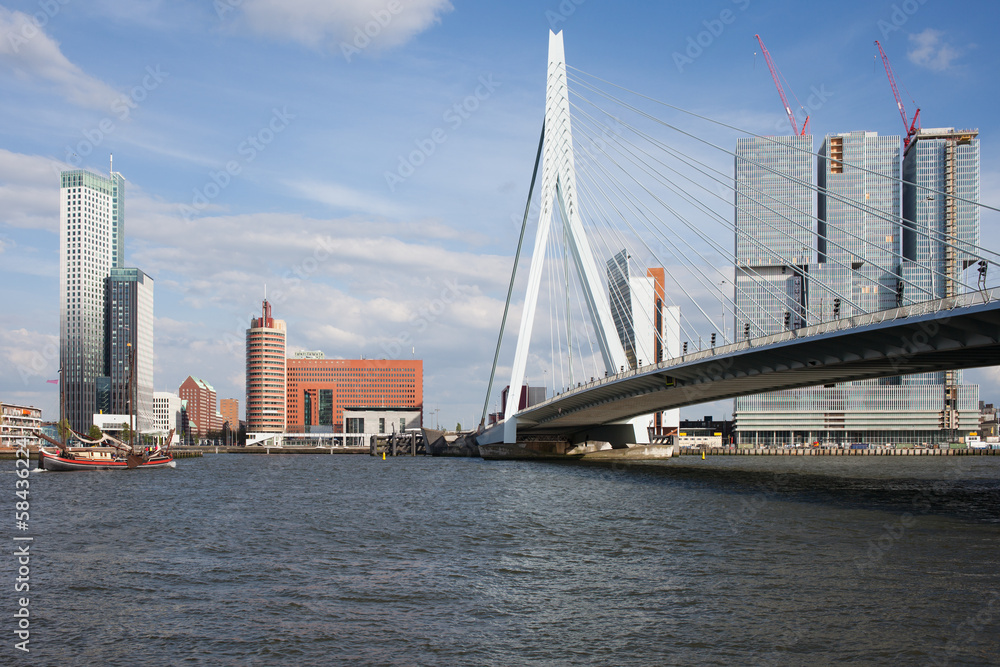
point(202, 410)
point(320, 389)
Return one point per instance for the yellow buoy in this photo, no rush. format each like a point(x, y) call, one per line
point(703, 456)
point(383, 456)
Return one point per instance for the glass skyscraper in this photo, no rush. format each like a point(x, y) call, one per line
point(129, 326)
point(104, 307)
point(861, 265)
point(774, 233)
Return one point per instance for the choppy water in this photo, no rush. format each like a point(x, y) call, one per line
point(315, 560)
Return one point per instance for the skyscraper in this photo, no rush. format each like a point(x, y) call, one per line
point(648, 329)
point(774, 232)
point(128, 326)
point(862, 266)
point(940, 229)
point(265, 373)
point(91, 243)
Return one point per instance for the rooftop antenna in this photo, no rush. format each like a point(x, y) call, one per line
point(112, 167)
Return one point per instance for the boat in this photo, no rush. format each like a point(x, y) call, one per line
point(106, 453)
point(117, 456)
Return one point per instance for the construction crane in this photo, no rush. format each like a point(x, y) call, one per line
point(781, 91)
point(911, 127)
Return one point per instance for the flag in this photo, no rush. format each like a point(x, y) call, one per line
point(52, 381)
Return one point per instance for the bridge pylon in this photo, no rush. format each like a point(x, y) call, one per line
point(558, 188)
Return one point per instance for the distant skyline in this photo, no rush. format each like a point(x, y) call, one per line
point(364, 159)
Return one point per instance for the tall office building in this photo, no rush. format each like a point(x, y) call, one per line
point(128, 316)
point(940, 230)
point(265, 373)
point(648, 329)
point(774, 233)
point(91, 243)
point(861, 267)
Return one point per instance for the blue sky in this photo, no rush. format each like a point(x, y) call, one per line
point(262, 140)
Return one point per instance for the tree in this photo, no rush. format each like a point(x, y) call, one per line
point(458, 426)
point(64, 429)
point(126, 434)
point(95, 432)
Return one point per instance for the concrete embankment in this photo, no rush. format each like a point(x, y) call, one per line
point(821, 451)
point(271, 450)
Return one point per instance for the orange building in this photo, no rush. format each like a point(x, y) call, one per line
point(320, 389)
point(230, 409)
point(265, 373)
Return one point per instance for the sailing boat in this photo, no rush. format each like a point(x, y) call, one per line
point(107, 453)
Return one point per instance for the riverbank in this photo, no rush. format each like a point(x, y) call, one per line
point(837, 451)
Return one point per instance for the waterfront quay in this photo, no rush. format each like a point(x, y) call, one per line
point(837, 451)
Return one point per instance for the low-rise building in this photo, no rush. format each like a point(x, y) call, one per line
point(18, 424)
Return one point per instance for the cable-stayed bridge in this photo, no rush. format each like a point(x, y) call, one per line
point(884, 278)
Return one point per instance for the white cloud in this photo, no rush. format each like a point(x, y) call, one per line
point(316, 22)
point(29, 191)
point(33, 55)
point(343, 197)
point(28, 359)
point(930, 51)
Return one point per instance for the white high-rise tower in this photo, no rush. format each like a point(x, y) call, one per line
point(91, 243)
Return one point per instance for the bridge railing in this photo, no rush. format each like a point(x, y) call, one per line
point(855, 321)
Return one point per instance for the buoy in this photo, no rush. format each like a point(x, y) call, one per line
point(383, 456)
point(703, 456)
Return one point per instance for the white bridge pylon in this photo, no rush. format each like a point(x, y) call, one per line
point(559, 187)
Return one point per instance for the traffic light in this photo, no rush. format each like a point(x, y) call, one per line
point(836, 308)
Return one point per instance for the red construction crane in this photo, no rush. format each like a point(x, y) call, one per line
point(912, 127)
point(781, 91)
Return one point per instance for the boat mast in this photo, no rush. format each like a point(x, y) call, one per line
point(62, 430)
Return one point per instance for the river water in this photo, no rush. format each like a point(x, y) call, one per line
point(319, 560)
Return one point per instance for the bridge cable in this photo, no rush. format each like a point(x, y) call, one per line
point(772, 140)
point(510, 288)
point(811, 186)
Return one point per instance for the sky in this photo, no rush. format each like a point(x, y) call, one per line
point(363, 161)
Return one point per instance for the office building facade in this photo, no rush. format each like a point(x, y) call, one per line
point(167, 412)
point(265, 373)
point(91, 243)
point(648, 329)
point(861, 266)
point(128, 326)
point(230, 409)
point(320, 390)
point(200, 400)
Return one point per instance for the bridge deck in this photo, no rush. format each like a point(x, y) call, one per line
point(945, 334)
